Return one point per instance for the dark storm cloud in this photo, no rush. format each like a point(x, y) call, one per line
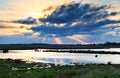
point(71, 30)
point(77, 11)
point(91, 20)
point(29, 20)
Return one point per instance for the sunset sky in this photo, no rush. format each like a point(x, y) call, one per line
point(59, 21)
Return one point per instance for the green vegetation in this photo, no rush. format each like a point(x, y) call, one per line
point(21, 69)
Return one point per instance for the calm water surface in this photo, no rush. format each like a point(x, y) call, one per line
point(63, 58)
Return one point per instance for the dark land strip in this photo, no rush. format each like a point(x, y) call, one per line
point(59, 47)
point(54, 46)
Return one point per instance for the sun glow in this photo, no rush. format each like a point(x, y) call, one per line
point(13, 31)
point(25, 8)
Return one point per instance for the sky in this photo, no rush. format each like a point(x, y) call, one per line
point(59, 21)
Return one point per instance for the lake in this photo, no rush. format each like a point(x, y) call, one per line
point(64, 58)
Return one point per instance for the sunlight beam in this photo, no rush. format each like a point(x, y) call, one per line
point(77, 39)
point(58, 40)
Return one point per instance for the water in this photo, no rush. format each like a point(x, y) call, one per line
point(110, 50)
point(63, 58)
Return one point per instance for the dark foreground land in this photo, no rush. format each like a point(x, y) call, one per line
point(21, 69)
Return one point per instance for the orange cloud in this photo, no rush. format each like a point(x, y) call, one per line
point(49, 8)
point(117, 17)
point(47, 11)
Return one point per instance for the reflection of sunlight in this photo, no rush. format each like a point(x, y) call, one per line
point(52, 57)
point(110, 50)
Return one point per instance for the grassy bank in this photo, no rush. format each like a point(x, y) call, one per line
point(21, 69)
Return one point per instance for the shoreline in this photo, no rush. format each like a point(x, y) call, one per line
point(69, 51)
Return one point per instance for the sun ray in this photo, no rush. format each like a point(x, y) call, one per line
point(77, 38)
point(58, 40)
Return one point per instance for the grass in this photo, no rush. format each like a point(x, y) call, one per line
point(21, 69)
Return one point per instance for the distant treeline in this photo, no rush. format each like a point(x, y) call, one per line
point(107, 43)
point(58, 46)
point(111, 43)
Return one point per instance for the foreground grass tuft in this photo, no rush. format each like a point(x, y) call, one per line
point(21, 69)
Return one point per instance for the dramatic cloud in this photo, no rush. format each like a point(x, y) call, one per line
point(77, 11)
point(71, 30)
point(89, 17)
point(79, 19)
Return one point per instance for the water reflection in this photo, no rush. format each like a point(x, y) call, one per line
point(110, 50)
point(61, 58)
